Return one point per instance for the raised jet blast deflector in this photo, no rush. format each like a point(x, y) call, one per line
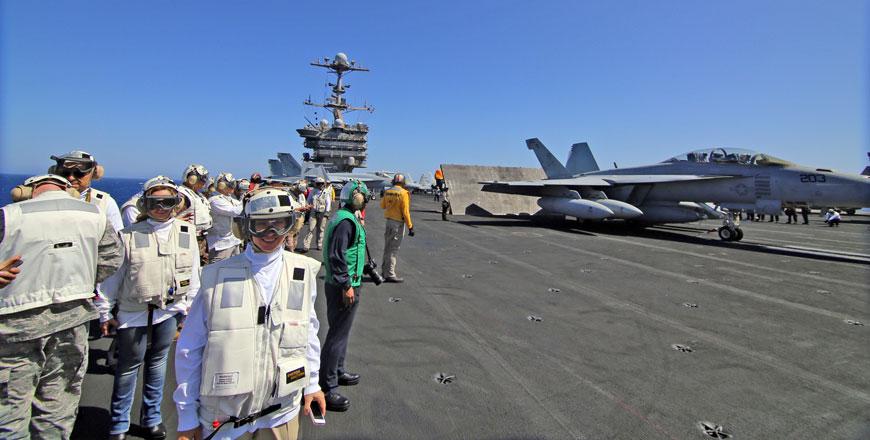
point(580, 208)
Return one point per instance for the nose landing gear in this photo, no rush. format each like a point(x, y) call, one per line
point(730, 229)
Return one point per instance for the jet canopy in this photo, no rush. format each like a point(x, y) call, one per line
point(729, 155)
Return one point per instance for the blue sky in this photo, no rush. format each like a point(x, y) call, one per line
point(148, 87)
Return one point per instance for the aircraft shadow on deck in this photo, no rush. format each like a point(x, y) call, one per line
point(660, 232)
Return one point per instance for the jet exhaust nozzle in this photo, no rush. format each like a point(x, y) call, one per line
point(580, 208)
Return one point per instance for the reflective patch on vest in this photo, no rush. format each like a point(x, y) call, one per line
point(294, 301)
point(66, 244)
point(57, 205)
point(298, 274)
point(184, 240)
point(140, 239)
point(232, 293)
point(295, 375)
point(184, 228)
point(99, 196)
point(223, 381)
point(184, 283)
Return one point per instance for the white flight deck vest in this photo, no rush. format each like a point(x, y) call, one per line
point(158, 273)
point(255, 354)
point(57, 237)
point(99, 198)
point(131, 203)
point(200, 208)
point(222, 225)
point(319, 201)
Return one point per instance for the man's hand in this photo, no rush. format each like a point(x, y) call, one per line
point(193, 434)
point(317, 397)
point(348, 297)
point(411, 232)
point(9, 270)
point(106, 328)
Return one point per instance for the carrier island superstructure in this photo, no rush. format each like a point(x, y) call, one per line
point(338, 146)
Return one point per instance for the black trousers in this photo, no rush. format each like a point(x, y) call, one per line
point(340, 319)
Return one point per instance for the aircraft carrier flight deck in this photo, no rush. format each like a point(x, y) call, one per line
point(508, 329)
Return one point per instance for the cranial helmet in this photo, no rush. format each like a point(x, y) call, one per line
point(354, 194)
point(195, 173)
point(270, 203)
point(223, 181)
point(82, 159)
point(155, 183)
point(399, 179)
point(25, 191)
point(319, 180)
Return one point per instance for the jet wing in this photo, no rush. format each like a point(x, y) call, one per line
point(537, 187)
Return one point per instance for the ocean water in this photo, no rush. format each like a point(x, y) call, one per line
point(120, 189)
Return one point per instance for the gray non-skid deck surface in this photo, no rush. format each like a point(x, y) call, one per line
point(772, 354)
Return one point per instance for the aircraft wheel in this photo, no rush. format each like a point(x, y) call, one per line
point(726, 233)
point(738, 234)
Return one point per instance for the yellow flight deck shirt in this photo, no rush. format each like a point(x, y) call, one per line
point(397, 205)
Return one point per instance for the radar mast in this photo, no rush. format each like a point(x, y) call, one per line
point(338, 146)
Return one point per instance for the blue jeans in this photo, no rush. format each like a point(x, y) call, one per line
point(132, 343)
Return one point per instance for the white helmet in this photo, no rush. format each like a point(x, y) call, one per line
point(319, 180)
point(266, 204)
point(32, 181)
point(398, 179)
point(195, 173)
point(159, 182)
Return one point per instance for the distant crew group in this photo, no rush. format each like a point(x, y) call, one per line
point(214, 262)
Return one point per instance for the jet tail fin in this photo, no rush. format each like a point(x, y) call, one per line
point(275, 168)
point(552, 167)
point(581, 160)
point(291, 166)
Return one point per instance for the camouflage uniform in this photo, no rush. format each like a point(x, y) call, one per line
point(44, 357)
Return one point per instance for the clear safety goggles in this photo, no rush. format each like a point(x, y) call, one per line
point(263, 227)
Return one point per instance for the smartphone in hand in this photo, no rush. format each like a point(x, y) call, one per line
point(316, 414)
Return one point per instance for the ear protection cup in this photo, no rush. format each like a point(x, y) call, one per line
point(140, 204)
point(99, 172)
point(20, 193)
point(358, 199)
point(191, 179)
point(52, 169)
point(221, 185)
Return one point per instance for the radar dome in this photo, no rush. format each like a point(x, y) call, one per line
point(324, 123)
point(341, 58)
point(339, 123)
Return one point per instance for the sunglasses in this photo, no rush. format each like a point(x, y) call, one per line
point(152, 202)
point(278, 226)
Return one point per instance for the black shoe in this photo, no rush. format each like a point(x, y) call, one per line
point(348, 379)
point(121, 436)
point(157, 432)
point(336, 402)
point(394, 280)
point(302, 251)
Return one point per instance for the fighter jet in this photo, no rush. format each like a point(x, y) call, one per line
point(287, 168)
point(682, 188)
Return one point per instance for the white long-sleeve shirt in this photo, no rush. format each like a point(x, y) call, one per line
point(188, 352)
point(223, 210)
point(109, 288)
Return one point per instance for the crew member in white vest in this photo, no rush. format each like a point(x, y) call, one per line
point(152, 289)
point(222, 244)
point(249, 349)
point(81, 168)
point(196, 208)
point(53, 250)
point(320, 203)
